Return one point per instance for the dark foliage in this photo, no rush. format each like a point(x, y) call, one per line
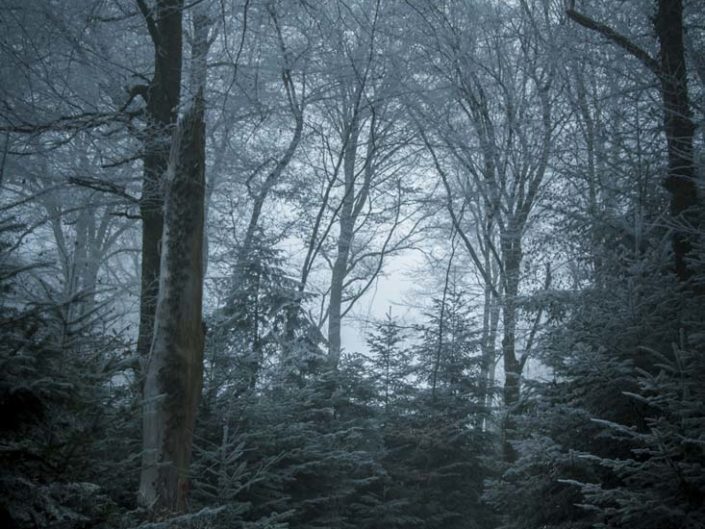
point(65, 428)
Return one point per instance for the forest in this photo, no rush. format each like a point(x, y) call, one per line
point(352, 264)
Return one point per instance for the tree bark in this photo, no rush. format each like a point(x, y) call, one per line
point(490, 323)
point(678, 125)
point(511, 253)
point(175, 366)
point(162, 97)
point(345, 237)
point(441, 323)
point(174, 375)
point(511, 256)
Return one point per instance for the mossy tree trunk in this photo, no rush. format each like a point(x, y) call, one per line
point(162, 97)
point(174, 371)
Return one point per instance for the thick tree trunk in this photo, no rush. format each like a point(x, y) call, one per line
point(678, 125)
point(162, 97)
point(175, 366)
point(174, 374)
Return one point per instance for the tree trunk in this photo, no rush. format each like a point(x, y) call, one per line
point(511, 253)
point(679, 128)
point(490, 321)
point(345, 237)
point(492, 353)
point(511, 256)
point(441, 325)
point(336, 285)
point(163, 95)
point(175, 366)
point(174, 374)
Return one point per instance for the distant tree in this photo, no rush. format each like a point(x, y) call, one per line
point(434, 451)
point(359, 211)
point(491, 144)
point(450, 343)
point(391, 363)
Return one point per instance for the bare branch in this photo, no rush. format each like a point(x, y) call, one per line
point(456, 222)
point(537, 322)
point(103, 186)
point(71, 123)
point(617, 38)
point(149, 19)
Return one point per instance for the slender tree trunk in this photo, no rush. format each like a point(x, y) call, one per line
point(174, 375)
point(511, 252)
point(492, 352)
point(88, 261)
point(511, 256)
point(163, 95)
point(336, 289)
point(591, 149)
point(297, 108)
point(441, 325)
point(490, 321)
point(270, 181)
point(345, 237)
